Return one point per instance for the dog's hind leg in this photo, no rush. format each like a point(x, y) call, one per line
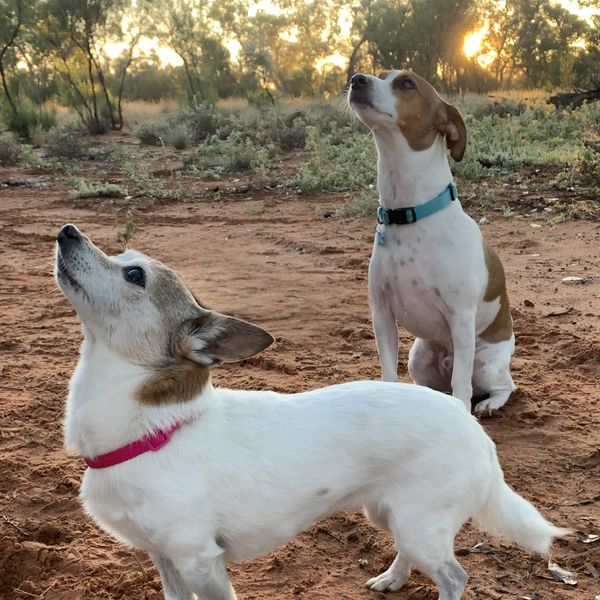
point(424, 537)
point(450, 579)
point(491, 374)
point(174, 588)
point(430, 365)
point(206, 577)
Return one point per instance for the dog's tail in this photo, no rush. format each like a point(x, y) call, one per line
point(507, 514)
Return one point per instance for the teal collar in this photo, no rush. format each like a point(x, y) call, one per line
point(412, 214)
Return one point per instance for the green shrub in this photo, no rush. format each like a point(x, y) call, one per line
point(86, 189)
point(65, 142)
point(153, 132)
point(179, 137)
point(502, 108)
point(203, 119)
point(538, 136)
point(236, 153)
point(363, 205)
point(10, 151)
point(588, 166)
point(346, 166)
point(28, 117)
point(283, 127)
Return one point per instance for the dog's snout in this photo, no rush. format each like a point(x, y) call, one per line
point(68, 235)
point(359, 80)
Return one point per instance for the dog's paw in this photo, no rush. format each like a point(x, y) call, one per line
point(486, 408)
point(386, 582)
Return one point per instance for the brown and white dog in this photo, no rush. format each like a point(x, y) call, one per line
point(436, 276)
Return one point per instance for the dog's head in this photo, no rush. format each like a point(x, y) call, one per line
point(405, 104)
point(142, 310)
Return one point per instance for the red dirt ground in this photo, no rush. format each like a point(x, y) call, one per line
point(275, 260)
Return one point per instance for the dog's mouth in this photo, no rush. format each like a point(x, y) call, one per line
point(359, 102)
point(64, 275)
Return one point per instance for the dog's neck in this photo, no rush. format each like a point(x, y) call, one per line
point(407, 177)
point(103, 412)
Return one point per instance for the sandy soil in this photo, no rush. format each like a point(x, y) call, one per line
point(275, 260)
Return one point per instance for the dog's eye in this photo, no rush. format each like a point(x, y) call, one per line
point(135, 275)
point(407, 84)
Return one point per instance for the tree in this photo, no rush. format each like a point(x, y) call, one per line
point(190, 30)
point(12, 16)
point(75, 31)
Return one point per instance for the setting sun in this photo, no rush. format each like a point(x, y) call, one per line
point(472, 44)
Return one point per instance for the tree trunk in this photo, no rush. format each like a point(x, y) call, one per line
point(7, 93)
point(353, 60)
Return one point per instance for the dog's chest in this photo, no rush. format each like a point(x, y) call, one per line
point(407, 275)
point(119, 507)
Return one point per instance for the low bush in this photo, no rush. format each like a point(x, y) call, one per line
point(345, 166)
point(28, 117)
point(66, 142)
point(10, 150)
point(235, 153)
point(85, 189)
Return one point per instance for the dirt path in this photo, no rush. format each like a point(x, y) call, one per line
point(303, 278)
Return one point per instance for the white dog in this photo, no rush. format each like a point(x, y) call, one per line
point(431, 270)
point(197, 475)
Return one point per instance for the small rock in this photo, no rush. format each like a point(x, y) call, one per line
point(536, 225)
point(363, 562)
point(483, 220)
point(528, 303)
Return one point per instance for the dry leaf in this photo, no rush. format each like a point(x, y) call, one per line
point(561, 574)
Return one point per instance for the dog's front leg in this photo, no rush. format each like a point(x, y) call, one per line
point(174, 587)
point(207, 577)
point(462, 330)
point(386, 338)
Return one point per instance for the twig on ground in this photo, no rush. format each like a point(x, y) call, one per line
point(581, 554)
point(17, 527)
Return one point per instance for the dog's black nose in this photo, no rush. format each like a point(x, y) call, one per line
point(68, 235)
point(359, 80)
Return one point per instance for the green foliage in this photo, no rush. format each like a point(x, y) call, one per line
point(349, 165)
point(235, 153)
point(363, 205)
point(272, 127)
point(501, 108)
point(180, 137)
point(85, 189)
point(10, 151)
point(65, 142)
point(27, 118)
point(588, 166)
point(129, 228)
point(538, 136)
point(152, 132)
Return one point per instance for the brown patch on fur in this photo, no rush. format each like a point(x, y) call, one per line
point(423, 114)
point(177, 383)
point(501, 328)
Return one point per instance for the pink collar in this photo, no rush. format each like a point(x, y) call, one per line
point(152, 442)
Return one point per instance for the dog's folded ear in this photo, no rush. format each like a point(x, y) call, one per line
point(455, 131)
point(213, 338)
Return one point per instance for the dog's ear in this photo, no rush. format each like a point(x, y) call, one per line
point(212, 338)
point(455, 131)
